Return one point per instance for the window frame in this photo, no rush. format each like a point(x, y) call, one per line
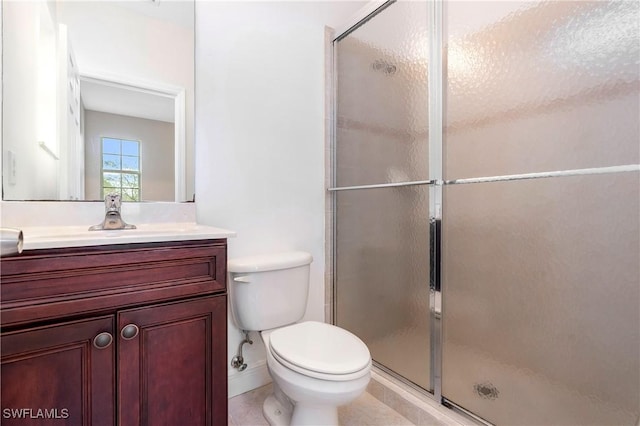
point(121, 171)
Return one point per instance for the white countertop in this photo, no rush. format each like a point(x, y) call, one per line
point(44, 237)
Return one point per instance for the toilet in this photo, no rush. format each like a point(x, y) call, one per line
point(315, 367)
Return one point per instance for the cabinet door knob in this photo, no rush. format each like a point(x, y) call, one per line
point(129, 331)
point(102, 340)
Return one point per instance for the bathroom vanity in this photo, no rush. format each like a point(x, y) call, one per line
point(127, 334)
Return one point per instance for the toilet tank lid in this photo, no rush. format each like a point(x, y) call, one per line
point(269, 262)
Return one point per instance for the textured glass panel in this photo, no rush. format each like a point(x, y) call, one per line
point(540, 86)
point(382, 98)
point(382, 275)
point(541, 282)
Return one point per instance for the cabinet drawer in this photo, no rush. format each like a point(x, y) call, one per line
point(45, 284)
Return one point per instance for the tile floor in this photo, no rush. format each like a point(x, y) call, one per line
point(246, 410)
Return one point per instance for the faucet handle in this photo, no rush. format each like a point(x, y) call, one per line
point(112, 219)
point(112, 202)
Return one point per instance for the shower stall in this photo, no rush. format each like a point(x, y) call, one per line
point(486, 204)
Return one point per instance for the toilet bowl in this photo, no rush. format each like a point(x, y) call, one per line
point(315, 367)
point(318, 367)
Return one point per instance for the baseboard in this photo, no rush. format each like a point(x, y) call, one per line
point(253, 377)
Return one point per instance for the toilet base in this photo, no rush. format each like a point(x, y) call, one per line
point(276, 413)
point(314, 415)
point(279, 410)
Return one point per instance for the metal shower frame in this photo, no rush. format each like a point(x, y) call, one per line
point(435, 181)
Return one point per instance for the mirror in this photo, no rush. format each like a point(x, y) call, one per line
point(98, 97)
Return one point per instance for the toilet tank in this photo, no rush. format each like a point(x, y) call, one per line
point(269, 291)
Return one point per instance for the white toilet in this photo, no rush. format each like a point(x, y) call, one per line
point(315, 367)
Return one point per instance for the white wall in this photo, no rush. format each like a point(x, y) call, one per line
point(22, 214)
point(260, 132)
point(36, 171)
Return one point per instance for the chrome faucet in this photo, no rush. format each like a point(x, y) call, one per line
point(112, 218)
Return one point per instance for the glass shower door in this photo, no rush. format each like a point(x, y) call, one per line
point(541, 238)
point(382, 232)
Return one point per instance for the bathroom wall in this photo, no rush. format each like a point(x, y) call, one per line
point(20, 214)
point(260, 132)
point(36, 172)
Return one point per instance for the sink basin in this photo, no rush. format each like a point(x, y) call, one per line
point(41, 237)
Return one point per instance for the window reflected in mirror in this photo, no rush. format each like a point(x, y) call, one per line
point(121, 168)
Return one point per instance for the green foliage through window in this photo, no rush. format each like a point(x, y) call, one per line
point(121, 168)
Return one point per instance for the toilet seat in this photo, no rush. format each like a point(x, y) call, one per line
point(321, 351)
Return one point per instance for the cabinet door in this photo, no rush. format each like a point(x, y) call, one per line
point(59, 374)
point(172, 361)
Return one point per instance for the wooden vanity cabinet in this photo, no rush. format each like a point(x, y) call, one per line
point(174, 372)
point(56, 368)
point(126, 334)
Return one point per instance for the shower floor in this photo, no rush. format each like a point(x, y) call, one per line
point(524, 398)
